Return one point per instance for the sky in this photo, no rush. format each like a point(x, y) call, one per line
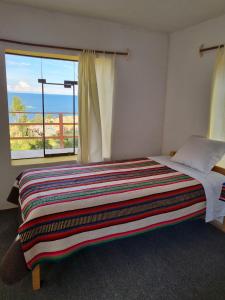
point(23, 73)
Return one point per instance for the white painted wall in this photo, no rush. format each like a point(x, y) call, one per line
point(189, 82)
point(141, 80)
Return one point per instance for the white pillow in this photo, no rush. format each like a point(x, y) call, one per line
point(200, 153)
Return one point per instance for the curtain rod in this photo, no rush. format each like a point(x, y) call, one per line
point(202, 49)
point(62, 48)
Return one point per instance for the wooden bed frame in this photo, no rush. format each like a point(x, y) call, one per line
point(36, 278)
point(219, 170)
point(36, 272)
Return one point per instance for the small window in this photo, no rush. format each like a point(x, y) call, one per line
point(42, 106)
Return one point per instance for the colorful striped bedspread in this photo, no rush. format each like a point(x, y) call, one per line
point(65, 208)
point(222, 196)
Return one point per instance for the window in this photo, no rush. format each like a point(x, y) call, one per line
point(42, 105)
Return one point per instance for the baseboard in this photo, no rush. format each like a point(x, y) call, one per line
point(7, 206)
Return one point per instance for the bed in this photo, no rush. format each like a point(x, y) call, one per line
point(68, 207)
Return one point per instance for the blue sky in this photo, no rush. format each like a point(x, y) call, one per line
point(24, 71)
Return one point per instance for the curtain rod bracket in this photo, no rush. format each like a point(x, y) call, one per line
point(200, 50)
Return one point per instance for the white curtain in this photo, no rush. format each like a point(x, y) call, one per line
point(90, 136)
point(95, 96)
point(217, 111)
point(105, 71)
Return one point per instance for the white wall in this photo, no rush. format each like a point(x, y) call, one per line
point(141, 80)
point(189, 82)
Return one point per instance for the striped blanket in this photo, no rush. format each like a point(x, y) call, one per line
point(222, 196)
point(65, 208)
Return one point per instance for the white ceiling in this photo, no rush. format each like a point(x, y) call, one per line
point(154, 15)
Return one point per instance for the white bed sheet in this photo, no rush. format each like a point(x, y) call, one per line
point(212, 183)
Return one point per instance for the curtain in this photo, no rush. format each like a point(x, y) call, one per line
point(217, 111)
point(90, 137)
point(95, 97)
point(105, 71)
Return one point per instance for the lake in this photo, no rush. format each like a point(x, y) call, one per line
point(53, 103)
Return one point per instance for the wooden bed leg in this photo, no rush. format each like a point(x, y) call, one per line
point(36, 278)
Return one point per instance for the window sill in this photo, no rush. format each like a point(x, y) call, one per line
point(41, 160)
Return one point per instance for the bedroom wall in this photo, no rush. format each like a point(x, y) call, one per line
point(189, 82)
point(140, 85)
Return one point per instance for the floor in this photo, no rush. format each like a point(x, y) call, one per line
point(186, 261)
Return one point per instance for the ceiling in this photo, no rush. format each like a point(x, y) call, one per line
point(153, 15)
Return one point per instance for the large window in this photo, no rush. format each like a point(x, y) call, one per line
point(42, 105)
